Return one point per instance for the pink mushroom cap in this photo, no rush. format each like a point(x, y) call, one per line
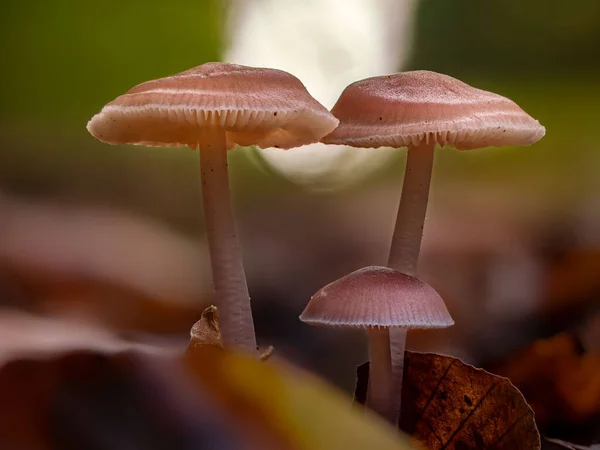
point(422, 107)
point(377, 297)
point(253, 106)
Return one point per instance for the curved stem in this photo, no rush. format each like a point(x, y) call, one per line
point(229, 279)
point(379, 391)
point(406, 242)
point(397, 348)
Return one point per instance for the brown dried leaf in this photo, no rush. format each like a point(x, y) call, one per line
point(447, 404)
point(207, 332)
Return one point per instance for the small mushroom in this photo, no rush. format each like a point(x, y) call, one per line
point(215, 107)
point(379, 299)
point(419, 110)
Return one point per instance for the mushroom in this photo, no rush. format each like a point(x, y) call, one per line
point(419, 110)
point(379, 299)
point(214, 107)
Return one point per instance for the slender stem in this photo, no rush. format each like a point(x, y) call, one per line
point(406, 242)
point(397, 348)
point(229, 279)
point(379, 391)
point(406, 245)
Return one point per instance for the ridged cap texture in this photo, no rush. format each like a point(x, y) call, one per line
point(422, 107)
point(263, 107)
point(377, 297)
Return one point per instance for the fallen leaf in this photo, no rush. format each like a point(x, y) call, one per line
point(447, 404)
point(207, 332)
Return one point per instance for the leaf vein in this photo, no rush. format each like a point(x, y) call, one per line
point(510, 428)
point(430, 399)
point(465, 420)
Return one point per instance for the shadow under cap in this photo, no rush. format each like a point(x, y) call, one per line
point(377, 297)
point(254, 106)
point(422, 107)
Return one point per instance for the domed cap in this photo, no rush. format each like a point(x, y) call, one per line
point(264, 107)
point(412, 108)
point(377, 297)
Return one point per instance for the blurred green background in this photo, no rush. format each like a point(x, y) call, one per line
point(63, 60)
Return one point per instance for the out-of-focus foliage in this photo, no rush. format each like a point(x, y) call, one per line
point(544, 37)
point(542, 54)
point(105, 396)
point(572, 280)
point(447, 404)
point(67, 58)
point(305, 413)
point(105, 265)
point(562, 384)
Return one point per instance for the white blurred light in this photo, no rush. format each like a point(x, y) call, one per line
point(327, 44)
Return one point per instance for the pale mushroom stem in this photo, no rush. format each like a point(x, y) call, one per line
point(229, 279)
point(397, 348)
point(406, 241)
point(406, 244)
point(380, 371)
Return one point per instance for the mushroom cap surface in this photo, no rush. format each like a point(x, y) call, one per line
point(423, 107)
point(377, 297)
point(254, 106)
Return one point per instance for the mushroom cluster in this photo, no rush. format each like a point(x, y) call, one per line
point(419, 110)
point(216, 106)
